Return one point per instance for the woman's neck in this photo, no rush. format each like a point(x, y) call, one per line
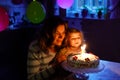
point(52, 49)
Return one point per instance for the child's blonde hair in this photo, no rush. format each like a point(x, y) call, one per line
point(73, 30)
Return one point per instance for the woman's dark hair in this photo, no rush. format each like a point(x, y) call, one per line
point(46, 33)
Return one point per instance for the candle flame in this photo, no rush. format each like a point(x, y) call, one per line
point(83, 48)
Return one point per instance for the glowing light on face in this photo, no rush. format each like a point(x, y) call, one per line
point(65, 3)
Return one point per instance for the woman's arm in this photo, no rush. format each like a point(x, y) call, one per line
point(35, 72)
point(35, 69)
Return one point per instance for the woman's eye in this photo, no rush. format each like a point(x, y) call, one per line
point(57, 33)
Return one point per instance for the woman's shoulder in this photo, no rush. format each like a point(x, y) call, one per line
point(34, 45)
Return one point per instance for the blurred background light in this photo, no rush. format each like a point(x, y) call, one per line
point(65, 3)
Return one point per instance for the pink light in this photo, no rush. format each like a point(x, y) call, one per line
point(65, 3)
point(4, 19)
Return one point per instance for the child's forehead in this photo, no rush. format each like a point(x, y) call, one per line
point(76, 34)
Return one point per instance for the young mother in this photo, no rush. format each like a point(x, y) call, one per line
point(42, 52)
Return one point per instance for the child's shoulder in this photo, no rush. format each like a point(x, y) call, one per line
point(63, 50)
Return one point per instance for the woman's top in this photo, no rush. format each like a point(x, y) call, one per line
point(38, 63)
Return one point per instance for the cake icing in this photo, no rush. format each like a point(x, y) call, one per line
point(83, 60)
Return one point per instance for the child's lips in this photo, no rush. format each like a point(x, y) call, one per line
point(77, 43)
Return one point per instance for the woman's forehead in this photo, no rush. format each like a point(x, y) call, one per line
point(60, 28)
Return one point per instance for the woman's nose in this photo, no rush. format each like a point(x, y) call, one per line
point(60, 36)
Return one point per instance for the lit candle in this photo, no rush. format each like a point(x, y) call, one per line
point(83, 48)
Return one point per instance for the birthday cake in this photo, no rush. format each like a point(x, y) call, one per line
point(85, 60)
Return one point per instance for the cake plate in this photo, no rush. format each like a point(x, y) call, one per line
point(82, 73)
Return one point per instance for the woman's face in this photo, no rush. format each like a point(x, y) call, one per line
point(59, 35)
point(75, 40)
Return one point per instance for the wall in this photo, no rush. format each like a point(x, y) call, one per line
point(103, 38)
point(13, 53)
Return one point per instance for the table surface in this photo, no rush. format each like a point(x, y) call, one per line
point(111, 71)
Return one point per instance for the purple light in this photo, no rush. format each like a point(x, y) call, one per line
point(65, 3)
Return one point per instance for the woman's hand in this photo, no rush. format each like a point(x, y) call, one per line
point(61, 58)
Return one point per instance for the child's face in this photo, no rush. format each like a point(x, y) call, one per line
point(75, 40)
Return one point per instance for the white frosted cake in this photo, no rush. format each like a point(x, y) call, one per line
point(83, 60)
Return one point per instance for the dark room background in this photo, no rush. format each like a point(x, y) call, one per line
point(102, 35)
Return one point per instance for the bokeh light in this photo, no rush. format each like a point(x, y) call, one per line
point(4, 19)
point(65, 3)
point(35, 12)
